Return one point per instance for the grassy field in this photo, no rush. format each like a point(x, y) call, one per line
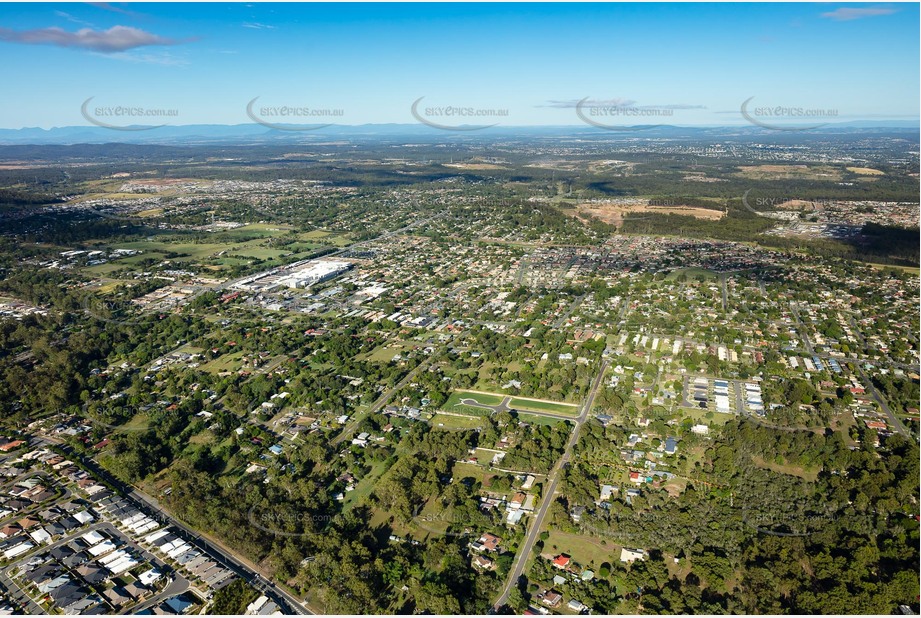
point(385, 353)
point(265, 230)
point(486, 400)
point(463, 470)
point(203, 437)
point(304, 247)
point(365, 485)
point(103, 269)
point(227, 247)
point(587, 551)
point(539, 419)
point(314, 235)
point(259, 253)
point(226, 362)
point(327, 238)
point(520, 403)
point(700, 416)
point(450, 421)
point(691, 273)
point(433, 520)
point(803, 473)
point(138, 423)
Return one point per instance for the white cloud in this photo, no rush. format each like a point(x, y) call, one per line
point(850, 13)
point(115, 39)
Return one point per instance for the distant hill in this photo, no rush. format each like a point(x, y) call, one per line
point(256, 133)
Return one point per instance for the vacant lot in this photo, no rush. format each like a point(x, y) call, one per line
point(481, 398)
point(787, 172)
point(613, 213)
point(455, 421)
point(587, 551)
point(475, 166)
point(539, 419)
point(537, 405)
point(227, 362)
point(692, 273)
point(865, 171)
point(461, 471)
point(803, 473)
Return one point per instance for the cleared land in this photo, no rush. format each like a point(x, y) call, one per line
point(481, 398)
point(787, 172)
point(613, 213)
point(586, 550)
point(455, 421)
point(536, 405)
point(865, 171)
point(475, 166)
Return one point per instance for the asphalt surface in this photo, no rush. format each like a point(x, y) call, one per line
point(553, 480)
point(178, 584)
point(381, 401)
point(893, 419)
point(237, 564)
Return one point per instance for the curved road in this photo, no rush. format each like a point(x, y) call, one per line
point(233, 561)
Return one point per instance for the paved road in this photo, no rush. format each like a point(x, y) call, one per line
point(505, 405)
point(178, 584)
point(569, 311)
point(380, 402)
point(20, 597)
point(802, 329)
point(536, 524)
point(236, 563)
point(233, 561)
point(893, 419)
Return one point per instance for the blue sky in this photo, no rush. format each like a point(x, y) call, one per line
point(372, 61)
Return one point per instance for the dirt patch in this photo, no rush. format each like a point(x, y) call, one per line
point(168, 182)
point(613, 212)
point(785, 172)
point(475, 166)
point(865, 171)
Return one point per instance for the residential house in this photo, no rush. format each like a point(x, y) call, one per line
point(551, 598)
point(629, 555)
point(489, 542)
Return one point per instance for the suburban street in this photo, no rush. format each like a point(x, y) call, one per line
point(380, 402)
point(553, 480)
point(232, 560)
point(871, 389)
point(177, 585)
